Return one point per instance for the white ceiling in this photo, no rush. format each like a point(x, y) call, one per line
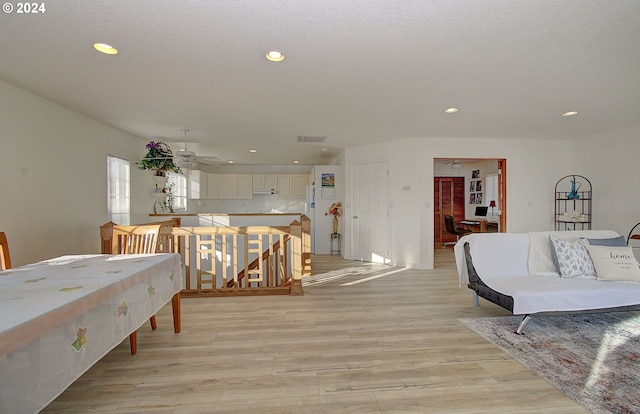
point(357, 71)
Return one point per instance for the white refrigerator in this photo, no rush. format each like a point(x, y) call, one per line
point(310, 211)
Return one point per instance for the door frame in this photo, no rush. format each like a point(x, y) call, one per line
point(502, 185)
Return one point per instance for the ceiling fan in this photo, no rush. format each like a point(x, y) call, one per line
point(454, 164)
point(185, 158)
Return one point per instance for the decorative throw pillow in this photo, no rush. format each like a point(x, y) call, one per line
point(614, 241)
point(572, 258)
point(614, 263)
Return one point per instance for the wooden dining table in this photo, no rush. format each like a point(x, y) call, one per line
point(59, 317)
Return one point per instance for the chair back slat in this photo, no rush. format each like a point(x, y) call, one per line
point(135, 239)
point(5, 257)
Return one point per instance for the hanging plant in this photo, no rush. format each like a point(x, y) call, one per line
point(159, 158)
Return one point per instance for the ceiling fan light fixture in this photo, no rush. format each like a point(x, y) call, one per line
point(275, 56)
point(185, 164)
point(570, 113)
point(451, 110)
point(185, 153)
point(105, 48)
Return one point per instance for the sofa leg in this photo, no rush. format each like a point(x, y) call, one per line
point(476, 302)
point(524, 323)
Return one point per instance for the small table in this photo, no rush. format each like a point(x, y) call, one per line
point(60, 316)
point(335, 239)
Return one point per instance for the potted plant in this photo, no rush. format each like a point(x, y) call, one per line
point(159, 158)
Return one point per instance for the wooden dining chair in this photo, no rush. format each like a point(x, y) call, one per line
point(5, 257)
point(135, 240)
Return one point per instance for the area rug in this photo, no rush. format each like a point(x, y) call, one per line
point(593, 358)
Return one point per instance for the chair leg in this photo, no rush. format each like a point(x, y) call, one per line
point(154, 325)
point(133, 342)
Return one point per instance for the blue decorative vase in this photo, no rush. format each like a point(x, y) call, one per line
point(575, 186)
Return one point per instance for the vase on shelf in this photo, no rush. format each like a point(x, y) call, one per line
point(335, 224)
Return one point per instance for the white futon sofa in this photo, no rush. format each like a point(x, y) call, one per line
point(519, 272)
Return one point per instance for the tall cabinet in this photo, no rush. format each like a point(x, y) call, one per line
point(573, 195)
point(448, 200)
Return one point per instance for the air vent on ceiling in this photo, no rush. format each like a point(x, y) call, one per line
point(307, 138)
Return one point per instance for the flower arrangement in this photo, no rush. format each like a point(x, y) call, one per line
point(159, 157)
point(335, 210)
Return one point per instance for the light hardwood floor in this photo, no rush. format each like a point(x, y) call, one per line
point(364, 339)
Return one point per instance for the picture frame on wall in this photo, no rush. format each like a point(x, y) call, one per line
point(479, 185)
point(472, 198)
point(475, 174)
point(478, 198)
point(472, 186)
point(328, 186)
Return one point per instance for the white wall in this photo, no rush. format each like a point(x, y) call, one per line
point(610, 162)
point(533, 167)
point(54, 184)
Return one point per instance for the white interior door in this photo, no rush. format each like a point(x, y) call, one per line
point(371, 212)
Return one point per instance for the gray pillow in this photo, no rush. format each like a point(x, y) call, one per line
point(572, 258)
point(614, 242)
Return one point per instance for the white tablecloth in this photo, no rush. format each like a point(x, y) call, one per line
point(59, 317)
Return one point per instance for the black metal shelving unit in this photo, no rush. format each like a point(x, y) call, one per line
point(573, 196)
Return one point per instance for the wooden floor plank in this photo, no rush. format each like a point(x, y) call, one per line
point(363, 338)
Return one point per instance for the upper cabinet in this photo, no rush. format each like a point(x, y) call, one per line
point(298, 186)
point(236, 186)
point(284, 185)
point(198, 185)
point(292, 186)
point(214, 187)
point(229, 190)
point(245, 187)
point(264, 183)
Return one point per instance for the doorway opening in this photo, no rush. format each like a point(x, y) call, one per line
point(473, 192)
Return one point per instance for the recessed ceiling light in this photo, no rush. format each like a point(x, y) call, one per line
point(451, 110)
point(253, 150)
point(230, 162)
point(296, 162)
point(570, 113)
point(105, 48)
point(275, 56)
point(324, 149)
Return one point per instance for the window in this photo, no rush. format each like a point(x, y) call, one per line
point(491, 192)
point(118, 190)
point(177, 183)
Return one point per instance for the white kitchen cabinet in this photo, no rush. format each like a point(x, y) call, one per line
point(245, 186)
point(229, 189)
point(284, 185)
point(214, 186)
point(198, 185)
point(298, 186)
point(236, 187)
point(292, 186)
point(264, 182)
point(258, 182)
